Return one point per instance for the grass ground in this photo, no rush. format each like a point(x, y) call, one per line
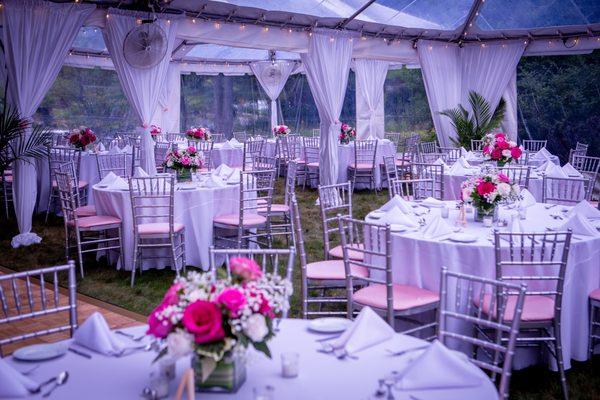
point(105, 283)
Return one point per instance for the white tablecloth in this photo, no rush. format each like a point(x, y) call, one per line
point(418, 261)
point(194, 208)
point(322, 376)
point(234, 157)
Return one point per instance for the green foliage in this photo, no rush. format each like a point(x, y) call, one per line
point(476, 125)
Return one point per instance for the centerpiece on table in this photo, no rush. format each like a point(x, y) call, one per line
point(215, 320)
point(198, 134)
point(82, 137)
point(497, 147)
point(184, 162)
point(155, 131)
point(347, 133)
point(486, 191)
point(281, 130)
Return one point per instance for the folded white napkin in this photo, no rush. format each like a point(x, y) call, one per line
point(95, 334)
point(437, 227)
point(397, 202)
point(114, 150)
point(226, 145)
point(213, 181)
point(440, 161)
point(463, 151)
point(398, 217)
point(579, 225)
point(528, 199)
point(571, 171)
point(463, 161)
point(425, 371)
point(118, 184)
point(585, 209)
point(108, 179)
point(367, 330)
point(126, 150)
point(101, 147)
point(553, 171)
point(431, 202)
point(235, 176)
point(458, 169)
point(140, 173)
point(223, 170)
point(13, 383)
point(234, 142)
point(541, 155)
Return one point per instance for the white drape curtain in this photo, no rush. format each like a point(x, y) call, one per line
point(167, 114)
point(142, 87)
point(370, 77)
point(37, 37)
point(511, 123)
point(327, 65)
point(272, 77)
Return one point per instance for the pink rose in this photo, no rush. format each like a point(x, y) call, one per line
point(516, 152)
point(487, 149)
point(185, 161)
point(245, 268)
point(484, 188)
point(191, 150)
point(503, 144)
point(496, 154)
point(159, 328)
point(232, 299)
point(503, 178)
point(500, 136)
point(203, 319)
point(172, 295)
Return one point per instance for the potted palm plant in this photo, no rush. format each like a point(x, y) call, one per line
point(477, 124)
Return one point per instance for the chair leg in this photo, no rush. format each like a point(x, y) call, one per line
point(173, 256)
point(591, 331)
point(49, 202)
point(134, 266)
point(559, 361)
point(79, 254)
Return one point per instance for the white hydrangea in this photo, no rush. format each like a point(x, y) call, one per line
point(256, 328)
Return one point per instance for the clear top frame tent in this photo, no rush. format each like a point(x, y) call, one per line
point(460, 45)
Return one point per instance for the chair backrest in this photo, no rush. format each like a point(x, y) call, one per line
point(173, 137)
point(290, 182)
point(412, 189)
point(115, 163)
point(365, 152)
point(582, 146)
point(430, 158)
point(60, 139)
point(278, 262)
point(476, 145)
point(450, 154)
point(294, 147)
point(26, 295)
point(252, 148)
point(429, 147)
point(394, 137)
point(136, 156)
point(256, 192)
point(334, 200)
point(240, 136)
point(534, 145)
point(459, 295)
point(316, 132)
point(372, 244)
point(391, 172)
point(69, 169)
point(589, 167)
point(435, 172)
point(567, 191)
point(311, 149)
point(160, 152)
point(519, 175)
point(205, 148)
point(536, 259)
point(69, 201)
point(59, 155)
point(152, 201)
point(217, 137)
point(576, 152)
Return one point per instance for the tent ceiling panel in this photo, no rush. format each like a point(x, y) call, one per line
point(89, 39)
point(215, 52)
point(427, 14)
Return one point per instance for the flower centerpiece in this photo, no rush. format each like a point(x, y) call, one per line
point(155, 131)
point(281, 130)
point(486, 191)
point(216, 320)
point(497, 147)
point(82, 137)
point(198, 134)
point(347, 133)
point(184, 162)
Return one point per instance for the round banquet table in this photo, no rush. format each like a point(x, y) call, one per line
point(194, 208)
point(321, 376)
point(418, 261)
point(234, 156)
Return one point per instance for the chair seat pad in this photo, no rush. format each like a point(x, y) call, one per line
point(405, 296)
point(85, 211)
point(81, 184)
point(96, 221)
point(261, 202)
point(9, 178)
point(234, 219)
point(313, 164)
point(158, 228)
point(276, 208)
point(337, 252)
point(299, 161)
point(595, 294)
point(535, 308)
point(365, 166)
point(333, 270)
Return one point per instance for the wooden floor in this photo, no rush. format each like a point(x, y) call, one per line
point(115, 316)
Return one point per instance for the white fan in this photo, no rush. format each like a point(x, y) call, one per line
point(271, 75)
point(145, 45)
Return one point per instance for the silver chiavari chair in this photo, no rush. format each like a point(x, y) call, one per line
point(391, 171)
point(7, 191)
point(296, 153)
point(363, 167)
point(450, 154)
point(580, 150)
point(429, 147)
point(566, 191)
point(56, 157)
point(540, 261)
point(533, 146)
point(282, 154)
point(60, 139)
point(280, 218)
point(434, 172)
point(240, 136)
point(118, 164)
point(217, 137)
point(81, 210)
point(334, 200)
point(277, 262)
point(90, 234)
point(206, 149)
point(589, 167)
point(173, 137)
point(519, 175)
point(247, 226)
point(394, 137)
point(253, 148)
point(476, 145)
point(316, 132)
point(160, 154)
point(594, 325)
point(458, 295)
point(154, 225)
point(412, 189)
point(430, 158)
point(31, 295)
point(394, 301)
point(263, 162)
point(311, 148)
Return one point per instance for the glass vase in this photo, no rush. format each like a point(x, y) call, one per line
point(184, 175)
point(481, 212)
point(227, 377)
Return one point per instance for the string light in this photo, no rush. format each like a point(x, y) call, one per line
point(309, 33)
point(331, 39)
point(266, 29)
point(217, 25)
point(243, 26)
point(193, 20)
point(107, 16)
point(169, 21)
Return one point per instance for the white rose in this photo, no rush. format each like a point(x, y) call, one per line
point(179, 343)
point(506, 153)
point(503, 189)
point(256, 327)
point(512, 144)
point(169, 163)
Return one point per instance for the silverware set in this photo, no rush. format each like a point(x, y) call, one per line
point(57, 381)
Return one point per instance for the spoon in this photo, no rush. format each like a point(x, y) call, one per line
point(60, 380)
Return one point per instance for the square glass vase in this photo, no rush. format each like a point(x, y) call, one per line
point(227, 377)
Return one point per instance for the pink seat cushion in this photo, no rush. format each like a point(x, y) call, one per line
point(9, 178)
point(299, 161)
point(337, 252)
point(278, 208)
point(85, 211)
point(595, 294)
point(361, 166)
point(313, 164)
point(234, 219)
point(81, 184)
point(158, 228)
point(333, 270)
point(261, 202)
point(405, 296)
point(535, 308)
point(96, 221)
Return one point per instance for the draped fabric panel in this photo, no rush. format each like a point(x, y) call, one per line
point(37, 36)
point(167, 114)
point(272, 77)
point(370, 78)
point(510, 124)
point(142, 87)
point(327, 65)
